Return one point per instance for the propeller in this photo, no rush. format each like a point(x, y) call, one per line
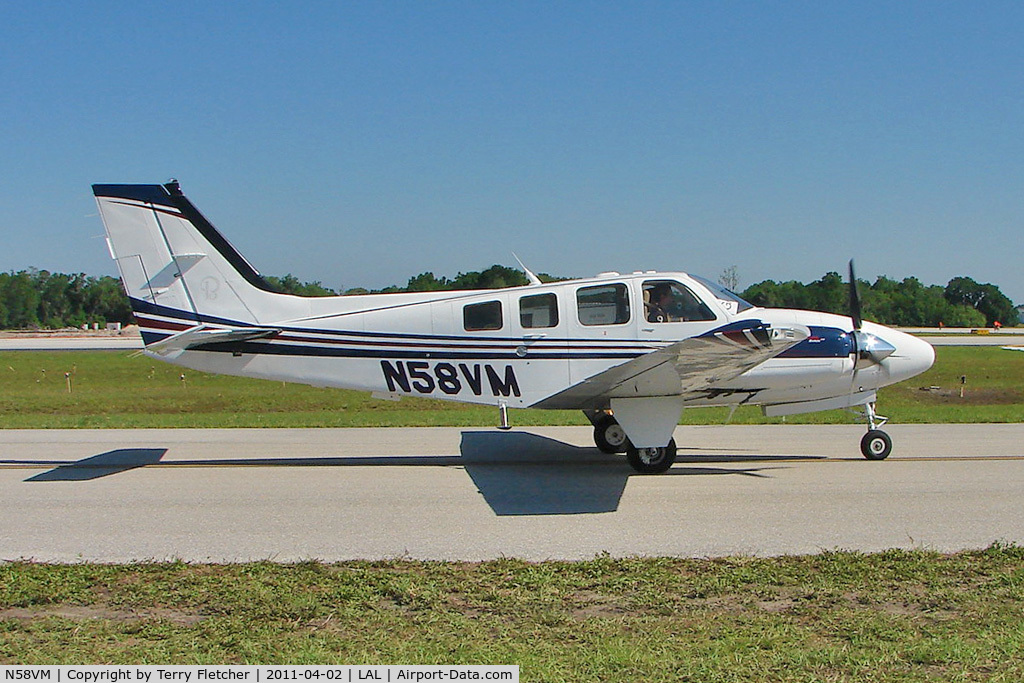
point(867, 349)
point(854, 301)
point(866, 346)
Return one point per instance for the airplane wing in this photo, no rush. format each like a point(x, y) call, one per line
point(200, 335)
point(686, 366)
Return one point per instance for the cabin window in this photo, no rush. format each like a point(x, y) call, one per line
point(538, 310)
point(666, 301)
point(485, 316)
point(603, 304)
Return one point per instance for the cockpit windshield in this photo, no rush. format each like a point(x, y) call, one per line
point(729, 300)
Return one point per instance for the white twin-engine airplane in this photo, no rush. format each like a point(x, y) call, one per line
point(630, 351)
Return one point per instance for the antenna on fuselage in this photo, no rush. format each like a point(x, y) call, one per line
point(534, 280)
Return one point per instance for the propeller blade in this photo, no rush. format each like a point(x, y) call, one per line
point(856, 318)
point(854, 300)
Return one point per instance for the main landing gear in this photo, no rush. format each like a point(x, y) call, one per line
point(610, 437)
point(876, 444)
point(651, 460)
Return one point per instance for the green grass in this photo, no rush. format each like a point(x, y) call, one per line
point(838, 616)
point(119, 389)
point(893, 616)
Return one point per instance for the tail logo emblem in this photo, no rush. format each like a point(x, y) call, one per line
point(210, 285)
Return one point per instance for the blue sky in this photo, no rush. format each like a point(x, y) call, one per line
point(360, 143)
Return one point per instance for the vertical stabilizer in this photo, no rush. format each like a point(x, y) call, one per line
point(176, 268)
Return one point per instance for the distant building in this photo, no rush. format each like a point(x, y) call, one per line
point(1020, 312)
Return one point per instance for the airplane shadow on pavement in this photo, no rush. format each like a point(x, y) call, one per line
point(103, 465)
point(517, 473)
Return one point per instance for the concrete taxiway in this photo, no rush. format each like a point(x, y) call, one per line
point(472, 494)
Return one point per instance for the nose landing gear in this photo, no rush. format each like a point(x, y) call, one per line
point(876, 444)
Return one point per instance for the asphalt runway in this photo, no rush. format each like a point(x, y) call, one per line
point(472, 494)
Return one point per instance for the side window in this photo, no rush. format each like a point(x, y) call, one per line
point(485, 316)
point(603, 305)
point(539, 310)
point(670, 302)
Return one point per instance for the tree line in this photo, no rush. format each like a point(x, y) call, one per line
point(39, 299)
point(495, 277)
point(963, 302)
point(33, 299)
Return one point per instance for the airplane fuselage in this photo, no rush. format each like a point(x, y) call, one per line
point(531, 342)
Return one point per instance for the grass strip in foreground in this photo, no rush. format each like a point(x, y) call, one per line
point(893, 616)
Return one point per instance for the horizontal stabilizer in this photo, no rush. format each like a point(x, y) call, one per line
point(201, 335)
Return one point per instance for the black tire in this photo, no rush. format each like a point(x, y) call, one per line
point(651, 460)
point(876, 445)
point(609, 436)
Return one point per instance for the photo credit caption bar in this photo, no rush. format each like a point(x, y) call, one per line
point(99, 673)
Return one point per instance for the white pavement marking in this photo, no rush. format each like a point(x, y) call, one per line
point(474, 494)
point(971, 340)
point(84, 343)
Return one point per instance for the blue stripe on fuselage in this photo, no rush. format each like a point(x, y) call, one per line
point(824, 342)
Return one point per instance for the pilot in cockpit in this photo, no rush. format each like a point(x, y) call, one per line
point(660, 303)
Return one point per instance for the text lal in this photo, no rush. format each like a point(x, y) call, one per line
point(417, 675)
